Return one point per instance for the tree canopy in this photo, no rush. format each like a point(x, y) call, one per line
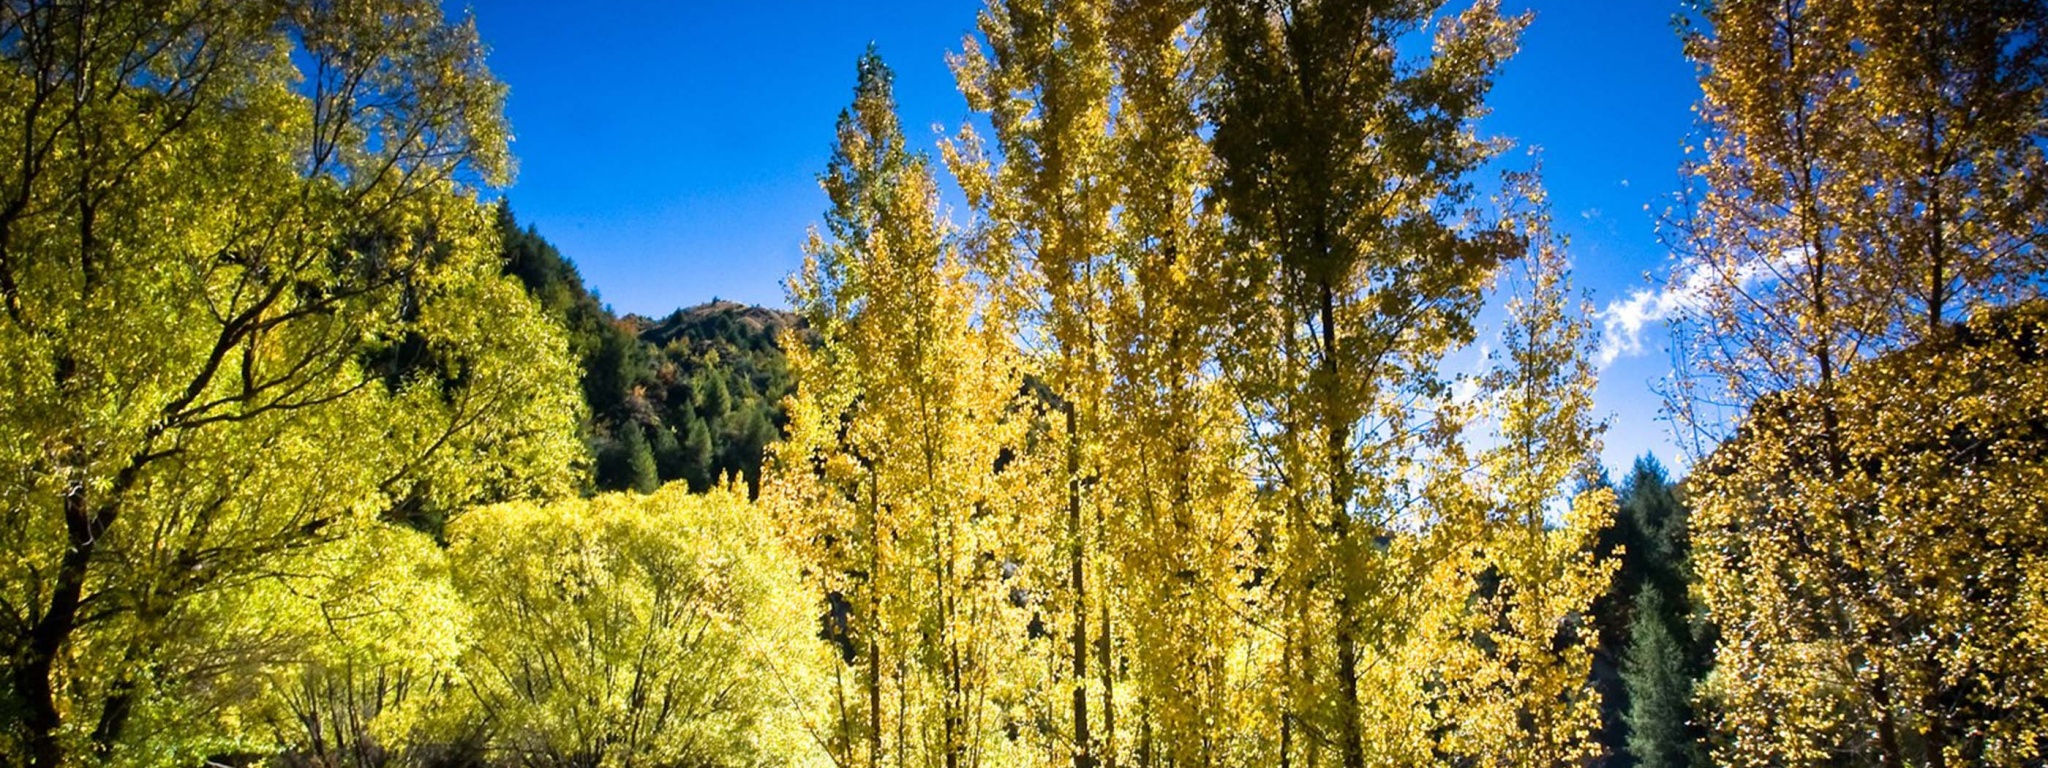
point(1243, 415)
point(239, 241)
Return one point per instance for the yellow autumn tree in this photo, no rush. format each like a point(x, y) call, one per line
point(1175, 479)
point(1512, 545)
point(892, 483)
point(636, 630)
point(1343, 167)
point(371, 633)
point(1861, 240)
point(1042, 74)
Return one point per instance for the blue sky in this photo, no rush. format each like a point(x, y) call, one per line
point(672, 148)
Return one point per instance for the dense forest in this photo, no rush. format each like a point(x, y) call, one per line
point(695, 397)
point(1155, 455)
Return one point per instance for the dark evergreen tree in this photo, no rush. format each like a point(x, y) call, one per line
point(1648, 539)
point(613, 370)
point(667, 449)
point(750, 432)
point(1657, 522)
point(1662, 732)
point(553, 281)
point(626, 462)
point(714, 399)
point(696, 455)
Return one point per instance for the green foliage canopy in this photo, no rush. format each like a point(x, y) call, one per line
point(237, 241)
point(624, 630)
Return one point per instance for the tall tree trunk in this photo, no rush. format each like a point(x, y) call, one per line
point(119, 702)
point(1083, 742)
point(1937, 739)
point(846, 738)
point(1144, 734)
point(41, 717)
point(1287, 710)
point(874, 624)
point(1107, 670)
point(1337, 455)
point(949, 631)
point(1889, 753)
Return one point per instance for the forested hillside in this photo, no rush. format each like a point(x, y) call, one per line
point(694, 397)
point(1217, 393)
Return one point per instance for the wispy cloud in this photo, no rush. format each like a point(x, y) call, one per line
point(1466, 389)
point(1622, 321)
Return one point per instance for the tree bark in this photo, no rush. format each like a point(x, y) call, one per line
point(48, 635)
point(1084, 755)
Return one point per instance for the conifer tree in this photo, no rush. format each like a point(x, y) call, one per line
point(1649, 541)
point(1659, 678)
point(695, 455)
point(627, 462)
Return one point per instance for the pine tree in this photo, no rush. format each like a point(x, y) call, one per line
point(667, 451)
point(626, 462)
point(1650, 545)
point(750, 436)
point(695, 455)
point(1660, 541)
point(1659, 679)
point(714, 399)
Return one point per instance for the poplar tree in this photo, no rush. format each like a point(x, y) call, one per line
point(1177, 485)
point(891, 482)
point(1344, 168)
point(1042, 73)
point(1512, 550)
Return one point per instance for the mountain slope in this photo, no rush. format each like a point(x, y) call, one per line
point(694, 396)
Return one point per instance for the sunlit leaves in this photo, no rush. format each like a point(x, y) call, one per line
point(637, 630)
point(895, 483)
point(251, 304)
point(1866, 211)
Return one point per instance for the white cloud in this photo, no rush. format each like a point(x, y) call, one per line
point(1622, 321)
point(1621, 331)
point(1466, 389)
